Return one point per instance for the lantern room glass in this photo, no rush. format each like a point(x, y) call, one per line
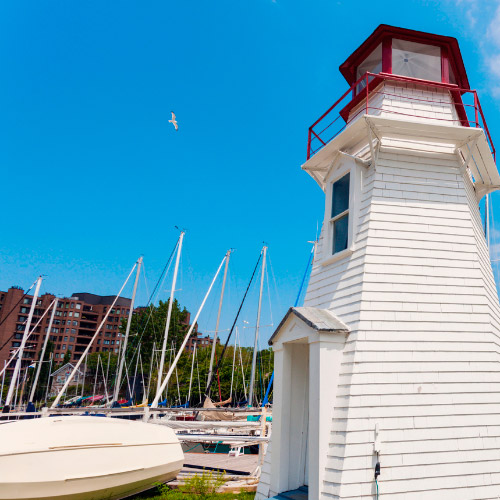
point(416, 60)
point(372, 64)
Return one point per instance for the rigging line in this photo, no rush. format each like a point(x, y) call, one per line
point(150, 303)
point(495, 239)
point(145, 279)
point(198, 370)
point(89, 345)
point(12, 310)
point(269, 297)
point(165, 270)
point(151, 299)
point(161, 279)
point(219, 362)
point(492, 223)
point(304, 277)
point(274, 281)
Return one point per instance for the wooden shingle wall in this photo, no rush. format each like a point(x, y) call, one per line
point(408, 101)
point(422, 360)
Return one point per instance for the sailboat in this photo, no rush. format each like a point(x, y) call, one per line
point(80, 458)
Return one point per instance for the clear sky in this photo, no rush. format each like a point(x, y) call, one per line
point(93, 175)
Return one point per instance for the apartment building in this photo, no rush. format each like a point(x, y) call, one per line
point(75, 323)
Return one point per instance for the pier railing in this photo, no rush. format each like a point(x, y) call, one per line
point(363, 97)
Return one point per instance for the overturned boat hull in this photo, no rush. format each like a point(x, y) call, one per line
point(84, 458)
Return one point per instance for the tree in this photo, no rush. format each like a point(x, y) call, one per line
point(67, 358)
point(147, 330)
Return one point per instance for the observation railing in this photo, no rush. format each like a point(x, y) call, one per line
point(362, 98)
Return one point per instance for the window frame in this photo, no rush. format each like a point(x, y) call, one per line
point(339, 216)
point(337, 171)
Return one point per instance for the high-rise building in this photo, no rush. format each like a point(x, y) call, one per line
point(75, 323)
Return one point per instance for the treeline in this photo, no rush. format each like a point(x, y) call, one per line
point(143, 357)
point(142, 362)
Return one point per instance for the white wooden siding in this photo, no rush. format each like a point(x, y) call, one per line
point(263, 488)
point(408, 101)
point(423, 358)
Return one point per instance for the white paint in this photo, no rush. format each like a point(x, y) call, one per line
point(408, 101)
point(71, 457)
point(308, 365)
point(416, 288)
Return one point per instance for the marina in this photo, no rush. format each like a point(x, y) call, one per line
point(372, 373)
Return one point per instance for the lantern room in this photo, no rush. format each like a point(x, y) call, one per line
point(407, 84)
point(406, 53)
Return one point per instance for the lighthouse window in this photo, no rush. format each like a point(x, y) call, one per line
point(416, 60)
point(339, 220)
point(372, 64)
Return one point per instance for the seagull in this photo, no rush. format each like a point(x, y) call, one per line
point(173, 121)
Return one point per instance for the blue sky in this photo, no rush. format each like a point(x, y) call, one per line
point(93, 175)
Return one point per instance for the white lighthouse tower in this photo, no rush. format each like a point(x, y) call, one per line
point(395, 357)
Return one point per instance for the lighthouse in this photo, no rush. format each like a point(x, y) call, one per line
point(387, 380)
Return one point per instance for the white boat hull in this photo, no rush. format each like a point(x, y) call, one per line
point(84, 458)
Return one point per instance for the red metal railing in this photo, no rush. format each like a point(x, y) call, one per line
point(356, 101)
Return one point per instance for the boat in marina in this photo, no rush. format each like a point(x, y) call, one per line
point(74, 454)
point(77, 458)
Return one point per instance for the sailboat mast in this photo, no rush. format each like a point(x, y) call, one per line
point(191, 377)
point(96, 373)
point(3, 380)
point(134, 384)
point(255, 346)
point(151, 363)
point(198, 372)
point(83, 378)
point(89, 345)
point(212, 355)
point(39, 367)
point(142, 379)
point(164, 383)
point(169, 313)
point(241, 362)
point(48, 380)
point(232, 373)
point(123, 350)
point(17, 368)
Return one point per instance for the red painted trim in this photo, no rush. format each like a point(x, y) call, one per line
point(485, 127)
point(387, 55)
point(455, 92)
point(427, 83)
point(376, 79)
point(445, 74)
point(459, 106)
point(348, 68)
point(345, 111)
point(318, 137)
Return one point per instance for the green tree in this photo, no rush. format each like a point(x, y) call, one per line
point(67, 358)
point(147, 329)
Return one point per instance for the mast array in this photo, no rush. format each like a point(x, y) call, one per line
point(39, 367)
point(256, 340)
point(17, 368)
point(169, 313)
point(214, 345)
point(123, 350)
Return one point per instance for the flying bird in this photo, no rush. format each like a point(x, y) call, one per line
point(173, 121)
